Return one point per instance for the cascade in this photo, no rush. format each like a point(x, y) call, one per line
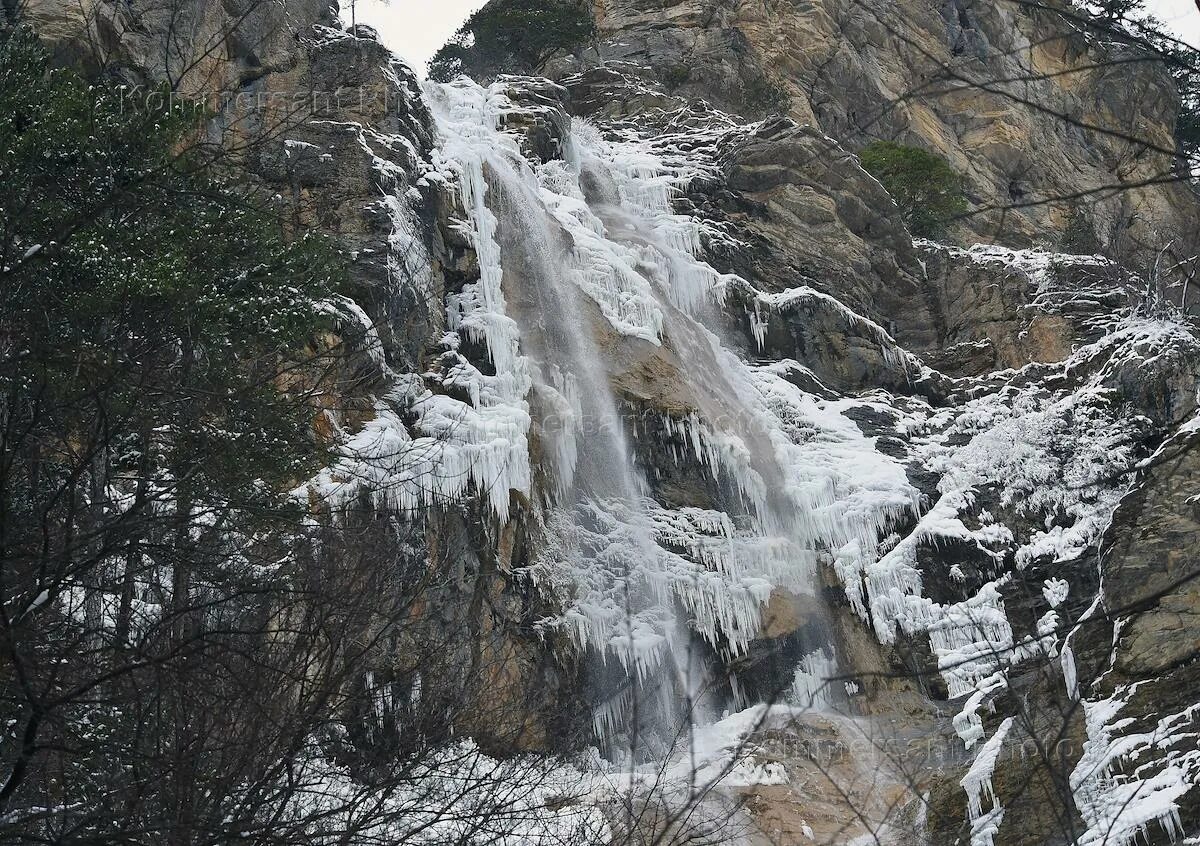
point(599, 531)
point(581, 256)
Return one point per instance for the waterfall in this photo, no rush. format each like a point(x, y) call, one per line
point(585, 275)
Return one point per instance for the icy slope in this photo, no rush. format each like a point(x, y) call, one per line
point(693, 446)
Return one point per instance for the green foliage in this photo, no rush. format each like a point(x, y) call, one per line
point(924, 186)
point(142, 290)
point(513, 36)
point(767, 96)
point(153, 425)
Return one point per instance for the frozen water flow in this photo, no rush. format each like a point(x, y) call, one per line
point(578, 252)
point(570, 251)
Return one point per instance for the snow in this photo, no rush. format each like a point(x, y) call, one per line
point(805, 296)
point(1036, 264)
point(637, 584)
point(1095, 277)
point(1116, 807)
point(1055, 591)
point(970, 639)
point(1042, 452)
point(978, 780)
point(444, 797)
point(1016, 445)
point(724, 752)
point(292, 146)
point(345, 310)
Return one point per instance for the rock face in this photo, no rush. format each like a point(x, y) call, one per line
point(227, 45)
point(660, 271)
point(1142, 661)
point(1017, 386)
point(1145, 568)
point(988, 85)
point(995, 315)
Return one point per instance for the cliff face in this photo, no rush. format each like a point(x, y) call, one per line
point(1034, 361)
point(1055, 123)
point(666, 386)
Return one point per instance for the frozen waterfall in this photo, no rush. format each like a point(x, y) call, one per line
point(585, 275)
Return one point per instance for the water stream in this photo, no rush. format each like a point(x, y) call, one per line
point(586, 275)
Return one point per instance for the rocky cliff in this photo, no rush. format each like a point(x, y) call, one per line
point(687, 422)
point(992, 86)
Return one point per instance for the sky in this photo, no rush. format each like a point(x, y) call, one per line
point(1182, 16)
point(415, 29)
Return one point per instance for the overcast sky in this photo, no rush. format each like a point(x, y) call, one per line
point(414, 29)
point(1181, 16)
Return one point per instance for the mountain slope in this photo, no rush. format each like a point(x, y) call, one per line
point(651, 374)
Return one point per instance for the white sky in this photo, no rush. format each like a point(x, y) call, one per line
point(415, 29)
point(1181, 16)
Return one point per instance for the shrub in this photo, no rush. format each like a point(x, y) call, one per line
point(924, 186)
point(1183, 63)
point(674, 76)
point(514, 36)
point(1079, 235)
point(767, 96)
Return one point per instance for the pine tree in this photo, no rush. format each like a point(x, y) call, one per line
point(513, 36)
point(927, 190)
point(154, 414)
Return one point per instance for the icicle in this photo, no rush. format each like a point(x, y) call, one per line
point(978, 781)
point(811, 686)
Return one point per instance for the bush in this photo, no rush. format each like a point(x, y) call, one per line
point(767, 96)
point(924, 186)
point(1079, 235)
point(1183, 63)
point(513, 36)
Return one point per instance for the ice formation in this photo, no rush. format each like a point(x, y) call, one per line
point(635, 579)
point(1117, 805)
point(482, 444)
point(570, 250)
point(978, 780)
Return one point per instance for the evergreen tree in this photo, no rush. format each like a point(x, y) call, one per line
point(154, 413)
point(513, 36)
point(927, 190)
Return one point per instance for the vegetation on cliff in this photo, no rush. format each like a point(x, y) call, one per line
point(151, 424)
point(927, 190)
point(513, 35)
